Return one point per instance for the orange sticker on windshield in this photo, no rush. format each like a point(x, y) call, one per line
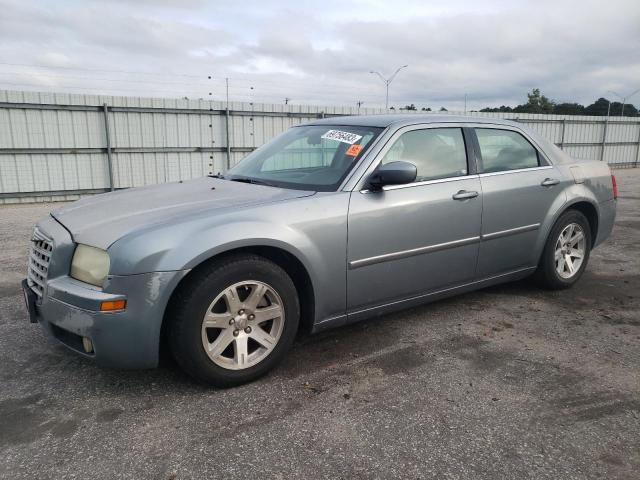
point(353, 150)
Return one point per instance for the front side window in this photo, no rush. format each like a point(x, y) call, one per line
point(503, 150)
point(314, 157)
point(436, 152)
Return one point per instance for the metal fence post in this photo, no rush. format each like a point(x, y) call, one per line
point(564, 126)
point(604, 138)
point(638, 150)
point(228, 136)
point(107, 133)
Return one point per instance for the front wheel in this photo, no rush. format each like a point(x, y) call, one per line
point(234, 321)
point(566, 252)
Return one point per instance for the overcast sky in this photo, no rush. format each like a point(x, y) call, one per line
point(322, 51)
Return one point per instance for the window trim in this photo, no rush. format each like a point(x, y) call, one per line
point(379, 155)
point(543, 163)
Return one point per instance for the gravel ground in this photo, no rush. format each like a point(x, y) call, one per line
point(507, 382)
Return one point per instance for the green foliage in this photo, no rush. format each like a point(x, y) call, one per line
point(599, 107)
point(503, 108)
point(569, 109)
point(538, 103)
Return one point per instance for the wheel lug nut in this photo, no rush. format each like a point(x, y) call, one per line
point(252, 316)
point(236, 333)
point(247, 330)
point(232, 321)
point(240, 312)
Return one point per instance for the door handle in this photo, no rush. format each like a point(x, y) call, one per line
point(549, 182)
point(464, 195)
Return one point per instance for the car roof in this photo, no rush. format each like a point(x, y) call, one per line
point(385, 120)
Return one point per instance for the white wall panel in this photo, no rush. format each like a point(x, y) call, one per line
point(66, 129)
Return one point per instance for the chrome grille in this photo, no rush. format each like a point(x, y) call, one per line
point(39, 258)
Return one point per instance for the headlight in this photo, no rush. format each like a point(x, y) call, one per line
point(90, 265)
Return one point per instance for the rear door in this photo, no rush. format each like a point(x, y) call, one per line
point(519, 186)
point(406, 240)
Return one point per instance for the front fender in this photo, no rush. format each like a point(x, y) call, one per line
point(248, 234)
point(314, 230)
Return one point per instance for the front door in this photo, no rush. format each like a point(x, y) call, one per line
point(406, 240)
point(519, 187)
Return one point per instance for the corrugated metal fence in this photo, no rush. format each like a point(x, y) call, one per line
point(60, 146)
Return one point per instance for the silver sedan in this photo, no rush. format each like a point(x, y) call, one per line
point(330, 223)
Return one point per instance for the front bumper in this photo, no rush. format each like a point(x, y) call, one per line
point(129, 338)
point(69, 310)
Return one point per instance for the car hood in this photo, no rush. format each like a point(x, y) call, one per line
point(102, 219)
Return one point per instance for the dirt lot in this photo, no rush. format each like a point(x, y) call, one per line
point(508, 382)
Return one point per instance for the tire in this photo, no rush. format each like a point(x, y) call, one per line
point(554, 271)
point(230, 291)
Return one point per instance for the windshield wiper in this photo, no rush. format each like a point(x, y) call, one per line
point(249, 180)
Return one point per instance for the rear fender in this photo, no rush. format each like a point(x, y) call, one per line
point(575, 193)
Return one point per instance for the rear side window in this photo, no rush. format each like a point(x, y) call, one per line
point(436, 152)
point(503, 150)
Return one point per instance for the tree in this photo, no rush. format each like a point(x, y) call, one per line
point(537, 103)
point(409, 107)
point(568, 109)
point(426, 109)
point(442, 109)
point(601, 106)
point(502, 108)
point(629, 110)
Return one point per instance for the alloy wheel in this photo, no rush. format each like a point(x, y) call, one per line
point(570, 250)
point(242, 325)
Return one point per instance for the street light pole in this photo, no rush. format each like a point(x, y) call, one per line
point(386, 98)
point(387, 82)
point(624, 99)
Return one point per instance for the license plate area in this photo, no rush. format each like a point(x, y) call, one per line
point(30, 302)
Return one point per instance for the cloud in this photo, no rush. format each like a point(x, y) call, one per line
point(321, 52)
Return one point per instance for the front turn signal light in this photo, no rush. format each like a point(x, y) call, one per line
point(111, 305)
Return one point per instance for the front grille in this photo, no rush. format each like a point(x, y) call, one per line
point(39, 258)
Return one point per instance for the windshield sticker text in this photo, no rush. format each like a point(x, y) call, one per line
point(340, 136)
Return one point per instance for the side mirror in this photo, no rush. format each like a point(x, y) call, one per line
point(393, 173)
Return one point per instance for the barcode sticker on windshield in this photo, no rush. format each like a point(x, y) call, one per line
point(340, 136)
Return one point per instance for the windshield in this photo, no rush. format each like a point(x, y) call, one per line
point(307, 158)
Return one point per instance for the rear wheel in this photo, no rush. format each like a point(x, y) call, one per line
point(234, 321)
point(566, 252)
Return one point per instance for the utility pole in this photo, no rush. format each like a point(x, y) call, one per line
point(387, 82)
point(287, 100)
point(465, 103)
point(359, 103)
point(226, 81)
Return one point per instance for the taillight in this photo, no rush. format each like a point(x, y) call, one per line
point(615, 187)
